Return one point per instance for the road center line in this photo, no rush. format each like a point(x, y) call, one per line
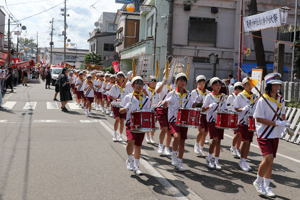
point(162, 179)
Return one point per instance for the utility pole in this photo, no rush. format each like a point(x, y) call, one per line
point(294, 40)
point(9, 44)
point(51, 42)
point(37, 48)
point(65, 31)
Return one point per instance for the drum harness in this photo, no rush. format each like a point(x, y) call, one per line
point(218, 104)
point(187, 97)
point(247, 113)
point(265, 134)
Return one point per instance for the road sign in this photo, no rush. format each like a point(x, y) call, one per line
point(124, 1)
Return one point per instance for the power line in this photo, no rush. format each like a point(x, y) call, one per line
point(41, 12)
point(27, 2)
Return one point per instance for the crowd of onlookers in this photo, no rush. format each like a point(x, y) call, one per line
point(10, 78)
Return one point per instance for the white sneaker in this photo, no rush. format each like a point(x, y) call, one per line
point(179, 166)
point(120, 138)
point(206, 142)
point(233, 151)
point(114, 138)
point(147, 139)
point(217, 165)
point(243, 166)
point(130, 164)
point(152, 140)
point(269, 192)
point(259, 188)
point(160, 149)
point(238, 154)
point(86, 112)
point(196, 148)
point(201, 152)
point(248, 166)
point(174, 159)
point(167, 151)
point(137, 170)
point(210, 163)
point(107, 112)
point(111, 114)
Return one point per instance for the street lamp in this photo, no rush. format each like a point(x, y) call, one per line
point(214, 60)
point(145, 8)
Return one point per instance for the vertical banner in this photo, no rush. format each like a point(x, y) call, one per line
point(157, 69)
point(257, 74)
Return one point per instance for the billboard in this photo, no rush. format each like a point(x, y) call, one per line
point(124, 1)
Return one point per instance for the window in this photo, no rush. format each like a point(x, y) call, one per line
point(202, 30)
point(93, 47)
point(150, 27)
point(109, 47)
point(287, 36)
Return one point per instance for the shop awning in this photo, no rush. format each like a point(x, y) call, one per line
point(247, 68)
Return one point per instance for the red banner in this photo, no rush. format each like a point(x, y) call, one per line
point(116, 66)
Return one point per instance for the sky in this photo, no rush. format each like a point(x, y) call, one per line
point(83, 15)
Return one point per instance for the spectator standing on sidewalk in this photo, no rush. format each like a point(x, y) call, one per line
point(2, 78)
point(9, 80)
point(24, 77)
point(64, 89)
point(48, 78)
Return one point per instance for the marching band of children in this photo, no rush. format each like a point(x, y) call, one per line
point(127, 95)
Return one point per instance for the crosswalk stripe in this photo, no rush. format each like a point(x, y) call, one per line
point(9, 105)
point(90, 121)
point(52, 105)
point(29, 106)
point(47, 121)
point(74, 106)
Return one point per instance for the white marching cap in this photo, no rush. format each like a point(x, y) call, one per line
point(200, 78)
point(213, 80)
point(273, 78)
point(136, 78)
point(180, 75)
point(120, 73)
point(245, 80)
point(237, 84)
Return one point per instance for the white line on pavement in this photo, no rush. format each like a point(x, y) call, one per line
point(52, 105)
point(29, 106)
point(3, 121)
point(279, 154)
point(9, 105)
point(74, 106)
point(47, 121)
point(89, 121)
point(163, 180)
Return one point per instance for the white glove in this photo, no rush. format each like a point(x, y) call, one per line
point(128, 105)
point(246, 108)
point(213, 105)
point(281, 123)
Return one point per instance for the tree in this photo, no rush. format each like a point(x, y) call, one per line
point(93, 58)
point(257, 40)
point(27, 45)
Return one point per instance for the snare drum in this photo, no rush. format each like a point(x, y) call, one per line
point(227, 120)
point(188, 117)
point(142, 121)
point(251, 124)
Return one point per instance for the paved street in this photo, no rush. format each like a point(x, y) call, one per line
point(50, 155)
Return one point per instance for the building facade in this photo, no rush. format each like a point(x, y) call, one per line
point(103, 36)
point(74, 57)
point(2, 29)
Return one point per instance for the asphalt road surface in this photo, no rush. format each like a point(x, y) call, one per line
point(50, 155)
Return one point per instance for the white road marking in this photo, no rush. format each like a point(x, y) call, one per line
point(47, 121)
point(163, 180)
point(74, 106)
point(279, 154)
point(52, 105)
point(90, 121)
point(9, 105)
point(29, 106)
point(3, 121)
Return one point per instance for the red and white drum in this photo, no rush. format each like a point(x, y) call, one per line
point(115, 107)
point(142, 121)
point(251, 124)
point(227, 120)
point(188, 117)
